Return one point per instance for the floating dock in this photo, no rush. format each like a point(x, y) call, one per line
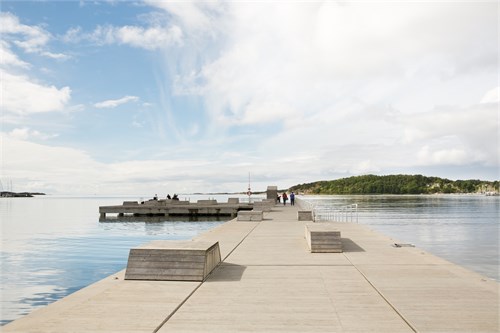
point(176, 208)
point(268, 280)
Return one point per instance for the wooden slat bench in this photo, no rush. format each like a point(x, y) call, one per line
point(173, 261)
point(323, 237)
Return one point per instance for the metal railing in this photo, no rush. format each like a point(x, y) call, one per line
point(346, 213)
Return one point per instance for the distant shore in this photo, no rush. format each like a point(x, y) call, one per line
point(6, 194)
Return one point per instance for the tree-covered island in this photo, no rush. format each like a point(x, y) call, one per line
point(396, 184)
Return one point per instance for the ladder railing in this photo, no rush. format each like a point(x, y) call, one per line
point(322, 212)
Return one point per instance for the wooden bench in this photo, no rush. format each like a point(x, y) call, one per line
point(323, 237)
point(250, 215)
point(173, 261)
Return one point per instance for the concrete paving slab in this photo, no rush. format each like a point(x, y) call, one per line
point(285, 299)
point(111, 305)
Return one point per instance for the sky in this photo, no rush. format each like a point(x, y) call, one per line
point(157, 97)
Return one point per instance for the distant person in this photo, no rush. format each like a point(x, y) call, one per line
point(285, 198)
point(169, 197)
point(175, 197)
point(292, 199)
point(278, 198)
point(155, 197)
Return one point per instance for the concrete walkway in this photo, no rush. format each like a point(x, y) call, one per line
point(270, 282)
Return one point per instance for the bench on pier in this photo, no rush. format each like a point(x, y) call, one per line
point(207, 202)
point(304, 215)
point(250, 215)
point(263, 205)
point(323, 237)
point(173, 261)
point(179, 202)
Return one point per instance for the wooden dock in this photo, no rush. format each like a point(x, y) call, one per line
point(176, 208)
point(269, 281)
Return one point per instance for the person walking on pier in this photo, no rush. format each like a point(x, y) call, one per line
point(285, 198)
point(292, 199)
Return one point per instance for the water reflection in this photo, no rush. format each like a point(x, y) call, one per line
point(162, 218)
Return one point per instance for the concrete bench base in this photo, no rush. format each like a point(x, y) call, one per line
point(253, 215)
point(172, 261)
point(323, 237)
point(207, 202)
point(304, 215)
point(264, 206)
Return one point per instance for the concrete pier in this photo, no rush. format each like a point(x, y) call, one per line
point(176, 208)
point(269, 281)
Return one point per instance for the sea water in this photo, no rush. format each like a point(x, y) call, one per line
point(53, 246)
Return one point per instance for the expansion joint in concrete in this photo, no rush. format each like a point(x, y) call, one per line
point(200, 284)
point(383, 296)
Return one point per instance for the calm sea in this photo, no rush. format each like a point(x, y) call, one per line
point(53, 246)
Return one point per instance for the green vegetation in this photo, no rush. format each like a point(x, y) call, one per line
point(396, 184)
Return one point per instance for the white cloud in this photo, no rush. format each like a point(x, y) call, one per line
point(195, 16)
point(462, 135)
point(62, 170)
point(56, 56)
point(26, 133)
point(113, 103)
point(492, 96)
point(452, 156)
point(151, 38)
point(23, 95)
point(308, 56)
point(51, 168)
point(33, 38)
point(9, 58)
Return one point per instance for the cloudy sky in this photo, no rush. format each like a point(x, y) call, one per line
point(144, 97)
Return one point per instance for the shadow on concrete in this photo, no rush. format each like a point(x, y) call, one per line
point(227, 272)
point(349, 246)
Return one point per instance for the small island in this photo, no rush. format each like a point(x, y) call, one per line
point(397, 184)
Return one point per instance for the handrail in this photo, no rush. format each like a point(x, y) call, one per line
point(346, 213)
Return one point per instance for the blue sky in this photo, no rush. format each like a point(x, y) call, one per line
point(144, 97)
